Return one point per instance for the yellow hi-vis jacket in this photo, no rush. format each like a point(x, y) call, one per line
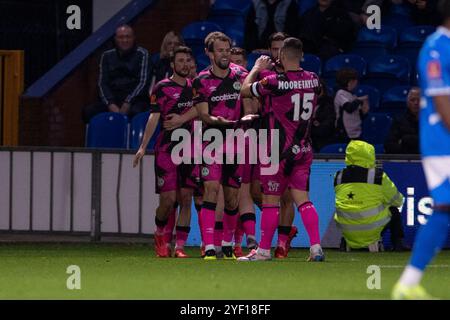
point(363, 196)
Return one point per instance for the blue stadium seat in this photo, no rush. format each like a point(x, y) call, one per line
point(199, 30)
point(197, 47)
point(379, 148)
point(394, 99)
point(334, 148)
point(345, 61)
point(372, 92)
point(398, 21)
point(305, 5)
point(137, 130)
point(154, 58)
point(331, 83)
point(415, 35)
point(312, 63)
point(415, 79)
point(375, 127)
point(237, 37)
point(370, 53)
point(227, 19)
point(400, 9)
point(410, 41)
point(388, 71)
point(331, 91)
point(202, 62)
point(108, 130)
point(384, 37)
point(409, 52)
point(251, 58)
point(241, 5)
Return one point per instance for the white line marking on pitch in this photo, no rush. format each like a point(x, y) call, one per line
point(430, 266)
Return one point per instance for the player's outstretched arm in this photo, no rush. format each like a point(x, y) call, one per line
point(251, 106)
point(203, 113)
point(148, 133)
point(442, 104)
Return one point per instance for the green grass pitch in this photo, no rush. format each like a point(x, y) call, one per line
point(131, 271)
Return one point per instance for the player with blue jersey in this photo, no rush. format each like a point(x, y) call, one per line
point(434, 73)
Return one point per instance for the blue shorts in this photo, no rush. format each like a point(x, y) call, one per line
point(437, 173)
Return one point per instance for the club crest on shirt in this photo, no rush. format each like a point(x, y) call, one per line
point(237, 85)
point(205, 171)
point(273, 186)
point(295, 149)
point(434, 69)
point(160, 182)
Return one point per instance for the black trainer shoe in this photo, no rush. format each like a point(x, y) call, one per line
point(228, 253)
point(210, 255)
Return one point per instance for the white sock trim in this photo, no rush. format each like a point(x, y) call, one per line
point(411, 276)
point(264, 252)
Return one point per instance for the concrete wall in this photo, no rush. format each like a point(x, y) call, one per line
point(103, 10)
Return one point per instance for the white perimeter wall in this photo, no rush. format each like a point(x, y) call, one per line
point(28, 204)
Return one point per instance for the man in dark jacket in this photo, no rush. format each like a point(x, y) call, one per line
point(404, 133)
point(123, 78)
point(267, 17)
point(323, 126)
point(326, 30)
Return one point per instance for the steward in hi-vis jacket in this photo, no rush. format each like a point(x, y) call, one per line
point(367, 200)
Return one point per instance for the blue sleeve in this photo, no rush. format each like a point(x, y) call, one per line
point(434, 69)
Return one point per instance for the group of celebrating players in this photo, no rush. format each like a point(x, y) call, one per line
point(277, 95)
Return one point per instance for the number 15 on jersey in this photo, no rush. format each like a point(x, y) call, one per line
point(305, 105)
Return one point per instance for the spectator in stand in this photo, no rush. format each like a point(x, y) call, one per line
point(322, 130)
point(404, 133)
point(350, 109)
point(123, 78)
point(162, 68)
point(327, 30)
point(423, 11)
point(239, 56)
point(357, 9)
point(267, 17)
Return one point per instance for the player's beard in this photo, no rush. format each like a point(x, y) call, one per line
point(181, 72)
point(223, 65)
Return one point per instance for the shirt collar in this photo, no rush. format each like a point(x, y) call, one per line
point(444, 31)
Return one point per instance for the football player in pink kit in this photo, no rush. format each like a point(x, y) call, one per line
point(286, 230)
point(247, 218)
point(171, 96)
point(294, 96)
point(218, 102)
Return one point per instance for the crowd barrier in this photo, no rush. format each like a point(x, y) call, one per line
point(98, 193)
